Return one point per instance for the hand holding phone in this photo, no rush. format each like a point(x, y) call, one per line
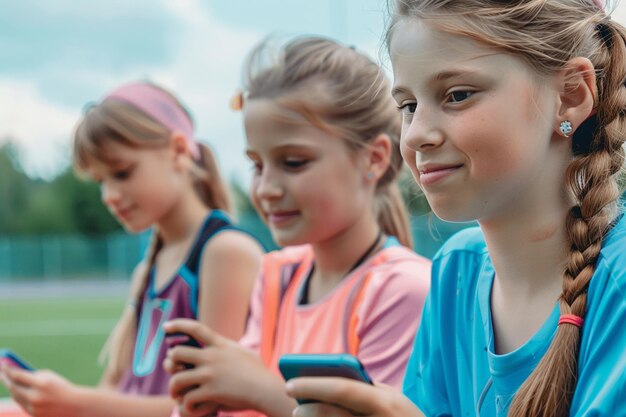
point(313, 365)
point(182, 339)
point(8, 358)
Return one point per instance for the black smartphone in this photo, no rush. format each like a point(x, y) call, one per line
point(182, 339)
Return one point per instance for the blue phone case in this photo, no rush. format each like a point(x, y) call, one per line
point(334, 365)
point(11, 359)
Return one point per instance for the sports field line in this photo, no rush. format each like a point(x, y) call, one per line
point(74, 327)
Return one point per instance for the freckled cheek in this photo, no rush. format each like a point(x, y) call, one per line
point(491, 150)
point(325, 205)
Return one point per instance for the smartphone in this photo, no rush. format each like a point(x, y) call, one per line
point(11, 359)
point(337, 365)
point(175, 339)
point(181, 339)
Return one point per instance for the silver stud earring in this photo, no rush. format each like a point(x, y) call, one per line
point(566, 128)
point(370, 176)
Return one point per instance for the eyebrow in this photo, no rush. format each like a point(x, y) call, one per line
point(439, 77)
point(287, 147)
point(399, 90)
point(116, 163)
point(446, 75)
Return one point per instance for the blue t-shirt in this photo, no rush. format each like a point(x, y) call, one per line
point(453, 370)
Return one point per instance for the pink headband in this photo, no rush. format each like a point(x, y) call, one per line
point(161, 107)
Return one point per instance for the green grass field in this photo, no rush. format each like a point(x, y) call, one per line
point(64, 335)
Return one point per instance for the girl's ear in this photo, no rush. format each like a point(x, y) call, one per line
point(577, 93)
point(180, 150)
point(378, 153)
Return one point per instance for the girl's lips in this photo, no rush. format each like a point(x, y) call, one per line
point(124, 213)
point(431, 176)
point(279, 218)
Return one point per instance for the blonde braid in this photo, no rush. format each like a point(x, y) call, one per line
point(592, 178)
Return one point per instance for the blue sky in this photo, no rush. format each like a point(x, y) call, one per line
point(58, 55)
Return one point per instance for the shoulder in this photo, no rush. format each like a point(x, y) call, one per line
point(458, 263)
point(403, 277)
point(230, 245)
point(603, 337)
point(609, 279)
point(462, 251)
point(399, 266)
point(233, 241)
point(612, 252)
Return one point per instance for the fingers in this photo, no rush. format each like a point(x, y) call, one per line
point(22, 395)
point(357, 396)
point(196, 403)
point(177, 357)
point(4, 378)
point(182, 382)
point(194, 329)
point(171, 366)
point(20, 376)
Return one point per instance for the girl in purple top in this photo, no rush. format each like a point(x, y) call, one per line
point(138, 144)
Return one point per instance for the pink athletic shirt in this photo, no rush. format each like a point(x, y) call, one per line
point(389, 313)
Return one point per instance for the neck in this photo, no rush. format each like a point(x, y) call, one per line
point(335, 256)
point(183, 220)
point(527, 246)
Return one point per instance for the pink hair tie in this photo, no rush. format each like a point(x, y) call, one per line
point(599, 4)
point(571, 319)
point(161, 107)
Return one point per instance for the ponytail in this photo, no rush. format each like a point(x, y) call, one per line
point(208, 182)
point(392, 214)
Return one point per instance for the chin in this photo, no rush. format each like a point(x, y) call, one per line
point(135, 228)
point(283, 239)
point(452, 214)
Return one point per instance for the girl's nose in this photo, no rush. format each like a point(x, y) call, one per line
point(267, 186)
point(109, 194)
point(423, 132)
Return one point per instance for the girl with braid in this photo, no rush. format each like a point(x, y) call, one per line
point(138, 144)
point(514, 116)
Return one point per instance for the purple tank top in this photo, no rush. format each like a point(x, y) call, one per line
point(178, 299)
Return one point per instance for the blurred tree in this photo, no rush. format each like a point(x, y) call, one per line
point(411, 193)
point(13, 188)
point(247, 217)
point(62, 206)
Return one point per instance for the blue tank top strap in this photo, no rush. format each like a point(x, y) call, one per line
point(216, 222)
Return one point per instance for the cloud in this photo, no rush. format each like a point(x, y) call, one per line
point(40, 127)
point(64, 54)
point(205, 73)
point(201, 64)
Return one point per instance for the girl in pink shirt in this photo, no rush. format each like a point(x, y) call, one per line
point(322, 134)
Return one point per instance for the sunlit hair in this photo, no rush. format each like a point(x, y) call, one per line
point(546, 34)
point(341, 91)
point(120, 122)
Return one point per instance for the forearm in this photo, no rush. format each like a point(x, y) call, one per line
point(104, 403)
